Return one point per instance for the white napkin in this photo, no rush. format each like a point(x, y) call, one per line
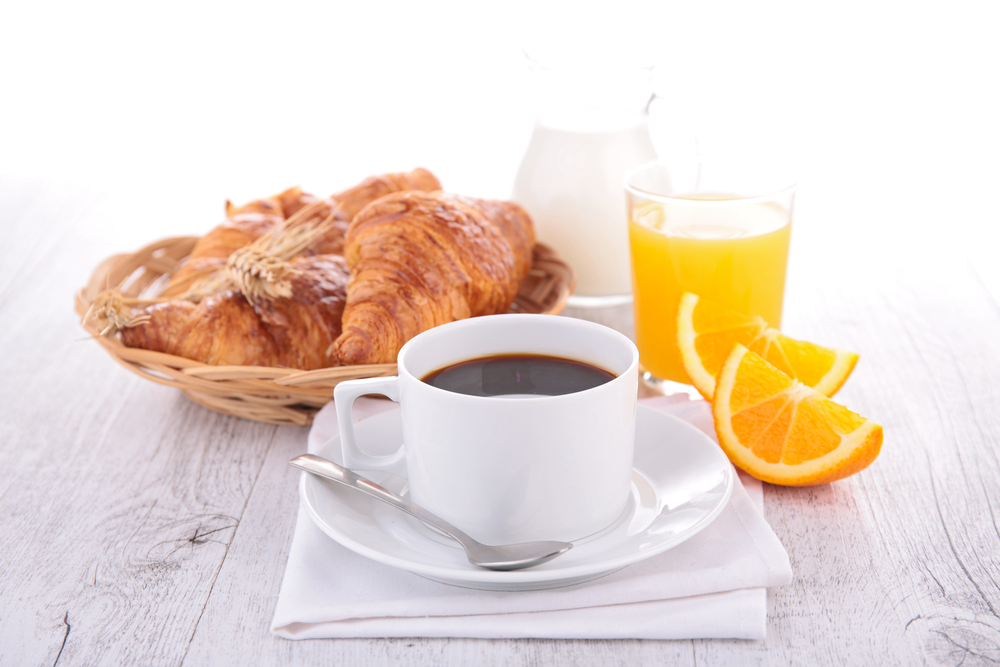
point(712, 586)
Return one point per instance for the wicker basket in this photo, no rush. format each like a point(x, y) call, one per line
point(272, 395)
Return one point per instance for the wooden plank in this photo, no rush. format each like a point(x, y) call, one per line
point(130, 523)
point(246, 590)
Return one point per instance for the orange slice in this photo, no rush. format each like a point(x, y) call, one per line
point(781, 431)
point(706, 334)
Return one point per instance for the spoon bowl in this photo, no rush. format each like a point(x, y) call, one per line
point(503, 557)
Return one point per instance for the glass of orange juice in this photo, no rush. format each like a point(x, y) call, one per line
point(719, 228)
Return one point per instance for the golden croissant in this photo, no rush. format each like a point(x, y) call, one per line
point(225, 330)
point(421, 259)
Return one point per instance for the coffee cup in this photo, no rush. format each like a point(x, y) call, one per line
point(509, 468)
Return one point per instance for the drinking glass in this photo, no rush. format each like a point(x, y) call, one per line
point(718, 227)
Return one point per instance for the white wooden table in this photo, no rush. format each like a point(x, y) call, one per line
point(140, 528)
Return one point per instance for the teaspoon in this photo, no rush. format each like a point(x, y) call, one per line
point(505, 557)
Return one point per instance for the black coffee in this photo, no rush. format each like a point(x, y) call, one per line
point(518, 374)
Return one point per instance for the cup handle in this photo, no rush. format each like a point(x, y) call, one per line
point(344, 395)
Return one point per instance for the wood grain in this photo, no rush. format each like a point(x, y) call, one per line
point(140, 528)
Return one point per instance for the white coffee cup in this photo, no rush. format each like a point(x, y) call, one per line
point(509, 469)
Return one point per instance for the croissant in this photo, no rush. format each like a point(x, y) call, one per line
point(222, 329)
point(225, 329)
point(352, 200)
point(420, 259)
point(344, 205)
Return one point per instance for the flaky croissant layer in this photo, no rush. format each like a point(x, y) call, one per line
point(226, 330)
point(421, 259)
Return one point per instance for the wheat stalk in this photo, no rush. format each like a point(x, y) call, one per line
point(112, 312)
point(259, 270)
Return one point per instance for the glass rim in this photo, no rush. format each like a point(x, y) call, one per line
point(689, 201)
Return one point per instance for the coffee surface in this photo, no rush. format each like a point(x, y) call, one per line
point(518, 374)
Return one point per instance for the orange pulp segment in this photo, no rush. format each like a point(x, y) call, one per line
point(706, 334)
point(783, 432)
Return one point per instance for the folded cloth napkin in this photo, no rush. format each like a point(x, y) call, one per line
point(711, 586)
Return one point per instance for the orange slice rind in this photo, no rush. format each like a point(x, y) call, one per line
point(781, 431)
point(707, 333)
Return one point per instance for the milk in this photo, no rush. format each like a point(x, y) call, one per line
point(570, 181)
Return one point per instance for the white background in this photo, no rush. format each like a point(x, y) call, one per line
point(164, 110)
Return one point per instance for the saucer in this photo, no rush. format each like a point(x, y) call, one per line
point(681, 481)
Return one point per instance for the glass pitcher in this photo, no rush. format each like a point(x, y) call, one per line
point(591, 126)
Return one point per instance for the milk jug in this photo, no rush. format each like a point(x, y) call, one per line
point(591, 126)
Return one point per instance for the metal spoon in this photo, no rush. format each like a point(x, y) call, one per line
point(507, 557)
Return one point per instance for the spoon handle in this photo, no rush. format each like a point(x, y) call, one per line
point(330, 470)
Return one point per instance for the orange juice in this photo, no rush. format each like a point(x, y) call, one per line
point(730, 252)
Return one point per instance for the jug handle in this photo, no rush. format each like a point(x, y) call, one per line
point(688, 143)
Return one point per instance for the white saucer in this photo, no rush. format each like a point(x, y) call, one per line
point(681, 481)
